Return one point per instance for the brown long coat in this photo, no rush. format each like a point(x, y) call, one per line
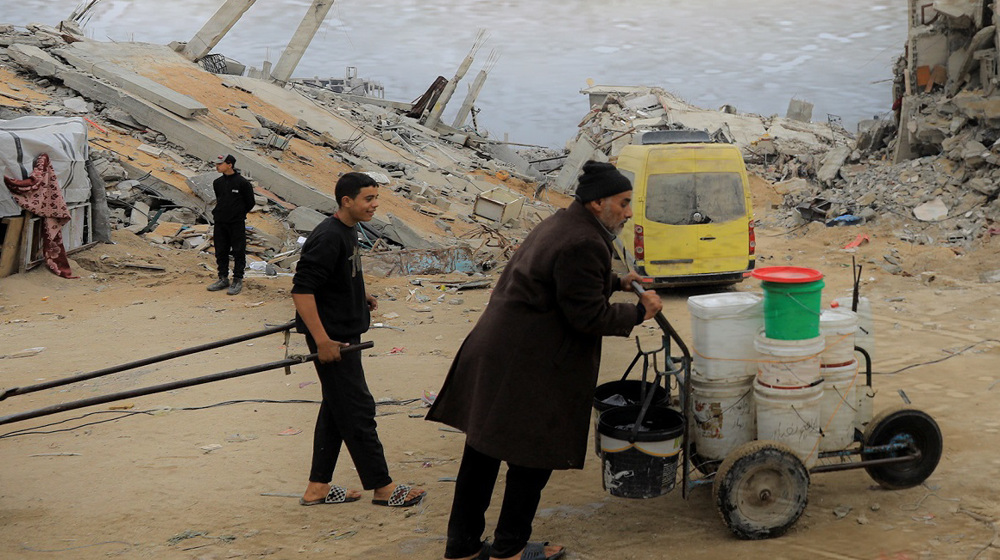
point(522, 384)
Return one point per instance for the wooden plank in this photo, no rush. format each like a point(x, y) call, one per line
point(24, 255)
point(11, 249)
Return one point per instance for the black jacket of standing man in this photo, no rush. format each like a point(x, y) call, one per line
point(233, 200)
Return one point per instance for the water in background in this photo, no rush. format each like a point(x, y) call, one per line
point(756, 56)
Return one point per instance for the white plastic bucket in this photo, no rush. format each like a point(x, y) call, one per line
point(723, 327)
point(723, 416)
point(865, 337)
point(791, 416)
point(838, 326)
point(788, 363)
point(839, 406)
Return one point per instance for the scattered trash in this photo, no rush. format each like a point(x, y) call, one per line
point(26, 353)
point(305, 384)
point(858, 241)
point(121, 407)
point(211, 447)
point(290, 432)
point(385, 326)
point(397, 350)
point(842, 511)
point(55, 455)
point(428, 398)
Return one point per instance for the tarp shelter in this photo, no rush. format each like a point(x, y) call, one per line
point(64, 139)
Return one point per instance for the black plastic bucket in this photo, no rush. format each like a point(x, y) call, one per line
point(632, 391)
point(646, 468)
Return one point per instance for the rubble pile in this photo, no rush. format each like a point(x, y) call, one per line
point(785, 146)
point(451, 194)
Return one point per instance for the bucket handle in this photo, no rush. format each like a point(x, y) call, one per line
point(802, 305)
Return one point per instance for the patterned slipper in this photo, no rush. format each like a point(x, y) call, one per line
point(337, 495)
point(398, 497)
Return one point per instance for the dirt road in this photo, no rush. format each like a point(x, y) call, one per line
point(211, 472)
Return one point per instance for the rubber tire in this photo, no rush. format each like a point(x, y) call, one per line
point(764, 462)
point(926, 434)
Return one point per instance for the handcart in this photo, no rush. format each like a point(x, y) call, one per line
point(761, 487)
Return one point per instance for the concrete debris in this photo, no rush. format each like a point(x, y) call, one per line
point(620, 113)
point(933, 211)
point(150, 150)
point(930, 165)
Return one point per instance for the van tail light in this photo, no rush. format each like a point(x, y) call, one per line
point(753, 239)
point(640, 249)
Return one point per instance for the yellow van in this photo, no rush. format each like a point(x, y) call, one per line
point(693, 217)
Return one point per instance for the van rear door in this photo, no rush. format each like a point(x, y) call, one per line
point(695, 223)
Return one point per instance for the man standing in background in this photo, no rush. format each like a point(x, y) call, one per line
point(233, 200)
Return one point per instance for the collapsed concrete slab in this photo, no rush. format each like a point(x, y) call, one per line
point(177, 103)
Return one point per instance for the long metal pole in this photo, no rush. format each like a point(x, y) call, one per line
point(171, 386)
point(144, 362)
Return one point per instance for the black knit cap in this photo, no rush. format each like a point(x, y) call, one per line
point(600, 180)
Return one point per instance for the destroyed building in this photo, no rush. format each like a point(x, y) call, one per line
point(929, 166)
point(152, 116)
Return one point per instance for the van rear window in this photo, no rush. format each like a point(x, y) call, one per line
point(694, 198)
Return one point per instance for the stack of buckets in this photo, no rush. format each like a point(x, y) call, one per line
point(723, 327)
point(789, 389)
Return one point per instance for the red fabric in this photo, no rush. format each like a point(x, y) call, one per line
point(40, 195)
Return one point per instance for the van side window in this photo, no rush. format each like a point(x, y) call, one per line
point(676, 198)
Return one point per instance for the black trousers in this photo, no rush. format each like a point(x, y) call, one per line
point(477, 476)
point(231, 239)
point(346, 416)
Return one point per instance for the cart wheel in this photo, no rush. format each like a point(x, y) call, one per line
point(761, 489)
point(902, 425)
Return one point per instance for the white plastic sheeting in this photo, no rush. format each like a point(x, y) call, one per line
point(64, 139)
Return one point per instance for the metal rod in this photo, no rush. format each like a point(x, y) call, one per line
point(664, 324)
point(146, 361)
point(865, 463)
point(172, 385)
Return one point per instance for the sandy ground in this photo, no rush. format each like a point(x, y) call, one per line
point(212, 471)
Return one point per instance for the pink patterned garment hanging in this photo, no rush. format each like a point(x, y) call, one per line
point(40, 195)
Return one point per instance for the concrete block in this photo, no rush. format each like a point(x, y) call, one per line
point(151, 150)
point(304, 219)
point(832, 163)
point(201, 185)
point(139, 215)
point(800, 110)
point(177, 103)
point(35, 58)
